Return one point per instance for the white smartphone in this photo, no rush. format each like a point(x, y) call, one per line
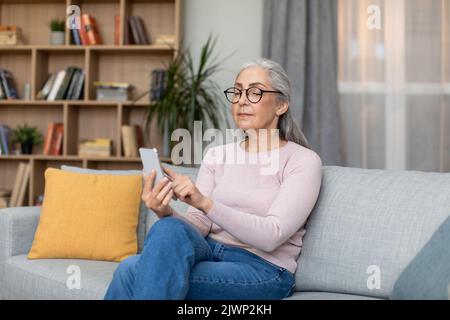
point(150, 160)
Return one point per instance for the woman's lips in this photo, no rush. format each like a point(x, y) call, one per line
point(244, 115)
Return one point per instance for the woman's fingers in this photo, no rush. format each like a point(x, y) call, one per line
point(169, 172)
point(159, 186)
point(148, 182)
point(162, 194)
point(167, 198)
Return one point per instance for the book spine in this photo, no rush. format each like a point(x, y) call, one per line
point(72, 84)
point(125, 141)
point(142, 31)
point(3, 140)
point(127, 37)
point(2, 90)
point(9, 80)
point(76, 37)
point(61, 94)
point(48, 138)
point(54, 139)
point(56, 148)
point(134, 30)
point(83, 34)
point(79, 90)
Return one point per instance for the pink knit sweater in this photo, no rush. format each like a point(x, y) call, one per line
point(261, 201)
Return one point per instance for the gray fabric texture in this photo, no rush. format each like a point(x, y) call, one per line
point(327, 296)
point(301, 35)
point(427, 277)
point(47, 278)
point(369, 218)
point(17, 228)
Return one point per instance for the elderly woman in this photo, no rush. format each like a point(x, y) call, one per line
point(242, 234)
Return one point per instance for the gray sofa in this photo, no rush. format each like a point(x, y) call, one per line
point(366, 224)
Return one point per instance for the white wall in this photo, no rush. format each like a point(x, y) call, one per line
point(237, 25)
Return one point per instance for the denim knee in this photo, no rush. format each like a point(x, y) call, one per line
point(125, 268)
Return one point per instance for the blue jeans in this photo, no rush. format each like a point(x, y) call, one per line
point(178, 263)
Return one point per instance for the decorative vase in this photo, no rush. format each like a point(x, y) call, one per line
point(27, 147)
point(57, 38)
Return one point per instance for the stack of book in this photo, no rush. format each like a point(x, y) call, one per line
point(5, 139)
point(65, 84)
point(7, 86)
point(10, 35)
point(132, 140)
point(165, 39)
point(20, 185)
point(135, 32)
point(5, 196)
point(54, 139)
point(158, 84)
point(100, 147)
point(112, 91)
point(88, 33)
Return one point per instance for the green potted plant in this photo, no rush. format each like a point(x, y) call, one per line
point(190, 95)
point(57, 28)
point(27, 137)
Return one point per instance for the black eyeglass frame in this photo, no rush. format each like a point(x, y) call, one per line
point(246, 93)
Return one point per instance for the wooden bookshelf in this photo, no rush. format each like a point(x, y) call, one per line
point(33, 60)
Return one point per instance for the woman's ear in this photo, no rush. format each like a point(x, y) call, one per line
point(282, 108)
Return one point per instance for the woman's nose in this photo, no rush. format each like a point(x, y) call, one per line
point(243, 100)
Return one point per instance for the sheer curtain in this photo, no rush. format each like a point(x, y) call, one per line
point(394, 84)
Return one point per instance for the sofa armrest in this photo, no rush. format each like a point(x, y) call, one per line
point(17, 228)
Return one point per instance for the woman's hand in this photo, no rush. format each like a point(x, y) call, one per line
point(157, 197)
point(186, 191)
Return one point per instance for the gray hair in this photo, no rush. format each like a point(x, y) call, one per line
point(280, 82)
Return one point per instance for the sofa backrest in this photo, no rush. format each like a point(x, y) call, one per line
point(369, 223)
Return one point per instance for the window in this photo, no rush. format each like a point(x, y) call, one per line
point(394, 84)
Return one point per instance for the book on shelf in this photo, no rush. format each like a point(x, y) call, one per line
point(5, 139)
point(157, 85)
point(107, 91)
point(132, 140)
point(135, 31)
point(99, 147)
point(165, 39)
point(54, 139)
point(65, 84)
point(5, 196)
point(89, 33)
point(20, 185)
point(76, 39)
point(8, 85)
point(10, 35)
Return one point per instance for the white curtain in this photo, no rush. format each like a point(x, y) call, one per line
point(394, 83)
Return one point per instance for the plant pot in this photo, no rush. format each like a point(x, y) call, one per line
point(27, 147)
point(57, 37)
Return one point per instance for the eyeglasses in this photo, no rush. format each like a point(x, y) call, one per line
point(254, 94)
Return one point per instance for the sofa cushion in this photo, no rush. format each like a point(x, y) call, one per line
point(428, 275)
point(368, 223)
point(88, 216)
point(48, 278)
point(142, 209)
point(146, 216)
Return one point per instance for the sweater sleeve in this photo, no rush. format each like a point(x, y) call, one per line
point(289, 211)
point(205, 184)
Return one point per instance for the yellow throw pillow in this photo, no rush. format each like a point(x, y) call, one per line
point(88, 216)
